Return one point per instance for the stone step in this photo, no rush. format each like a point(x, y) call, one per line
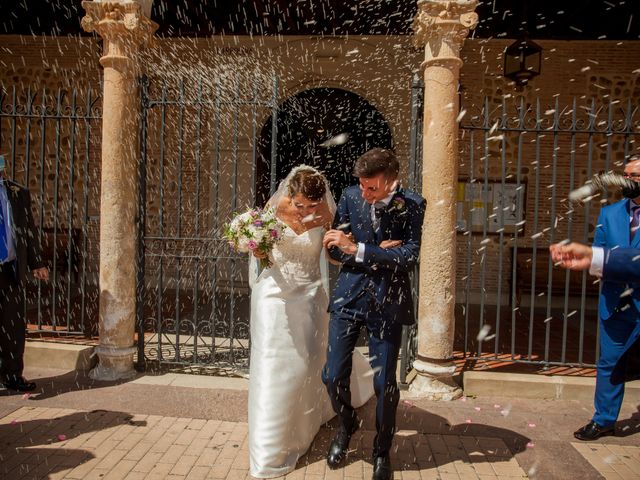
point(521, 385)
point(65, 356)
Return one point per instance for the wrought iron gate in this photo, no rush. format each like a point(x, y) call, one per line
point(519, 159)
point(200, 154)
point(50, 140)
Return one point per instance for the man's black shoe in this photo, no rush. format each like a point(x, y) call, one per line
point(593, 431)
point(20, 384)
point(340, 445)
point(381, 467)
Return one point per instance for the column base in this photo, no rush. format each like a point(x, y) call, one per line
point(434, 381)
point(114, 364)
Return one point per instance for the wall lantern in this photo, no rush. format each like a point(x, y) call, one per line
point(522, 60)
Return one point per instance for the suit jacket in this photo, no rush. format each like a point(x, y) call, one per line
point(384, 273)
point(622, 265)
point(620, 273)
point(28, 254)
point(612, 232)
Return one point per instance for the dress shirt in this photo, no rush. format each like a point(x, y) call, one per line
point(386, 201)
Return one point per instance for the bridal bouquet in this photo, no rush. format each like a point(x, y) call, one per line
point(254, 230)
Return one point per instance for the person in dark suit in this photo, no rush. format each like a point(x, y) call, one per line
point(19, 252)
point(376, 237)
point(619, 305)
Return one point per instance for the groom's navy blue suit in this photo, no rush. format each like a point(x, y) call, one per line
point(376, 294)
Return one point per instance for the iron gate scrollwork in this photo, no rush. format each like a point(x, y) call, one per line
point(200, 150)
point(520, 156)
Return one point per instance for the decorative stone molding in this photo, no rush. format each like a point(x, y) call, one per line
point(123, 26)
point(441, 26)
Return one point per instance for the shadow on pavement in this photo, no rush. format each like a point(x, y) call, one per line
point(72, 381)
point(425, 440)
point(37, 447)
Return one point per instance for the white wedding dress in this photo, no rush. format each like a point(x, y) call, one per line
point(289, 326)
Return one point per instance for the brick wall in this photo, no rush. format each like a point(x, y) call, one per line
point(379, 69)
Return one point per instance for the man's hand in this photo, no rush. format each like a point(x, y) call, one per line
point(337, 238)
point(574, 256)
point(41, 273)
point(390, 244)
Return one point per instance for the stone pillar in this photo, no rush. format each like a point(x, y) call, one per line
point(124, 29)
point(441, 26)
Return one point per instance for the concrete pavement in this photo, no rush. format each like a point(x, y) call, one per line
point(184, 426)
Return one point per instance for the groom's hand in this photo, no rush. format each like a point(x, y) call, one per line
point(337, 238)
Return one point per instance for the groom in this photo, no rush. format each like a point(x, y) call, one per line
point(376, 236)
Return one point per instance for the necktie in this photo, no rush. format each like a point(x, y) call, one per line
point(378, 209)
point(635, 221)
point(4, 250)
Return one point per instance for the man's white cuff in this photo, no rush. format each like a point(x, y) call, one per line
point(597, 261)
point(360, 253)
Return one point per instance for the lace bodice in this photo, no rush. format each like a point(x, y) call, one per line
point(298, 256)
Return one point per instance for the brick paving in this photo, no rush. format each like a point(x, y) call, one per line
point(58, 443)
point(614, 462)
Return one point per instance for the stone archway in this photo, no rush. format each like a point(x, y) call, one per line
point(306, 121)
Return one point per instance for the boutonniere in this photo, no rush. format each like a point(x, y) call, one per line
point(398, 204)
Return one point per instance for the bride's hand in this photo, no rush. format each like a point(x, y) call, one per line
point(390, 244)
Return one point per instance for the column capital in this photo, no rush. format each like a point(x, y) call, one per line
point(122, 25)
point(441, 26)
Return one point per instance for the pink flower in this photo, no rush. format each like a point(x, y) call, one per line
point(273, 233)
point(252, 245)
point(257, 223)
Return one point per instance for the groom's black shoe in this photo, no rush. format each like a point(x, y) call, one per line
point(340, 445)
point(382, 467)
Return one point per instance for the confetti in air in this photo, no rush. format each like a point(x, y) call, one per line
point(340, 139)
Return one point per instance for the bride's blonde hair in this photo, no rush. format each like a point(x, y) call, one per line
point(308, 182)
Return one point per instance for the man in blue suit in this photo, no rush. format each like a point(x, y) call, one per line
point(376, 237)
point(619, 304)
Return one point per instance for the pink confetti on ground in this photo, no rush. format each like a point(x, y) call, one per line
point(532, 425)
point(62, 437)
point(477, 409)
point(26, 395)
point(407, 403)
point(496, 405)
point(14, 422)
point(463, 399)
point(531, 445)
point(468, 420)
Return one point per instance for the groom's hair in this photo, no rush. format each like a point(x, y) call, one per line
point(376, 161)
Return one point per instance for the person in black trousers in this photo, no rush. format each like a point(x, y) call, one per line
point(19, 252)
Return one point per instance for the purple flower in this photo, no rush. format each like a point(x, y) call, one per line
point(252, 245)
point(258, 223)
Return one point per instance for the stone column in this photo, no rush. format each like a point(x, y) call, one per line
point(124, 29)
point(441, 26)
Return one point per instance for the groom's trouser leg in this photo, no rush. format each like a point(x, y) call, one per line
point(343, 335)
point(384, 345)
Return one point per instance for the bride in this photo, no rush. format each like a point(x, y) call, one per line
point(289, 324)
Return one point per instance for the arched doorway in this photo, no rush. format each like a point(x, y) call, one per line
point(306, 121)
